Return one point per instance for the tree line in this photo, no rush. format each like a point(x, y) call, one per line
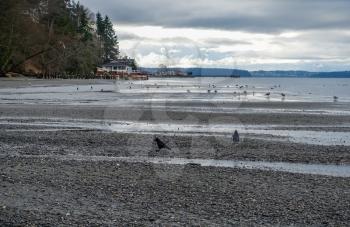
point(54, 37)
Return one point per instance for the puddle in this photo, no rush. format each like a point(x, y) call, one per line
point(298, 168)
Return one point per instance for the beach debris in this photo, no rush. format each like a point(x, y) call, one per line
point(216, 91)
point(245, 93)
point(193, 165)
point(235, 137)
point(209, 91)
point(283, 95)
point(77, 88)
point(335, 98)
point(161, 144)
point(268, 94)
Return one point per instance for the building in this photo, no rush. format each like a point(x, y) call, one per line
point(120, 65)
point(122, 68)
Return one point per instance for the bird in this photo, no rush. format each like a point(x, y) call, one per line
point(283, 95)
point(91, 88)
point(235, 137)
point(161, 144)
point(268, 94)
point(335, 98)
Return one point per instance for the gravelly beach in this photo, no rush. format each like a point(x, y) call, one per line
point(47, 192)
point(38, 190)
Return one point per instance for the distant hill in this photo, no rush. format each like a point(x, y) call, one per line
point(301, 74)
point(278, 73)
point(217, 72)
point(221, 72)
point(206, 72)
point(344, 74)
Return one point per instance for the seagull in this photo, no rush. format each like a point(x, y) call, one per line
point(283, 95)
point(335, 98)
point(161, 144)
point(268, 94)
point(235, 137)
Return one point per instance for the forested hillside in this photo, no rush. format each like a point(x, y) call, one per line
point(53, 37)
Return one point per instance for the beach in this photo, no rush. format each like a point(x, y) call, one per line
point(81, 152)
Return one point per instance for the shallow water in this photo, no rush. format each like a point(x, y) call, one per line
point(193, 89)
point(299, 168)
point(191, 95)
point(301, 134)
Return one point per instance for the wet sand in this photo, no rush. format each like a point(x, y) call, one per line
point(43, 184)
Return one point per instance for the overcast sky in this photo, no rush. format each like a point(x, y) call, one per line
point(252, 34)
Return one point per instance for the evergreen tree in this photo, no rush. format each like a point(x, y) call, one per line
point(84, 26)
point(110, 41)
point(99, 24)
point(54, 37)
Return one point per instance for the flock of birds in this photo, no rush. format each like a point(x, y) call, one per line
point(235, 137)
point(213, 86)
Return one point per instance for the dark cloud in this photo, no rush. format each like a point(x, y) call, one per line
point(226, 42)
point(254, 15)
point(128, 36)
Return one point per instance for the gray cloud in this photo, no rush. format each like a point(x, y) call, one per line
point(225, 41)
point(319, 32)
point(255, 15)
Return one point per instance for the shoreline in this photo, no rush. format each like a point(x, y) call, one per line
point(89, 164)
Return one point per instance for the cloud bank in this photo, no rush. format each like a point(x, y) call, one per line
point(255, 34)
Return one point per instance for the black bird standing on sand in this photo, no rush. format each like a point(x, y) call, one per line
point(235, 137)
point(161, 144)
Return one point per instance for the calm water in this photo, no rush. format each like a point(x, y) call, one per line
point(314, 169)
point(184, 95)
point(196, 89)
